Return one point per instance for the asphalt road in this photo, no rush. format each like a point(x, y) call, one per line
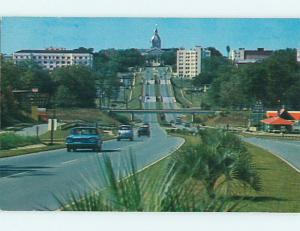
point(287, 150)
point(35, 181)
point(31, 131)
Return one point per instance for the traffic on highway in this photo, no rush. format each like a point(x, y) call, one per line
point(35, 181)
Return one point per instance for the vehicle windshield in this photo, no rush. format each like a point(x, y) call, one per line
point(124, 128)
point(84, 131)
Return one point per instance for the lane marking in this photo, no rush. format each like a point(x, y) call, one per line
point(13, 175)
point(69, 161)
point(276, 155)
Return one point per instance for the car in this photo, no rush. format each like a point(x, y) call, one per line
point(144, 131)
point(125, 132)
point(187, 125)
point(84, 138)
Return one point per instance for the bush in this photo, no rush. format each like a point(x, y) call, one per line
point(121, 118)
point(220, 162)
point(10, 140)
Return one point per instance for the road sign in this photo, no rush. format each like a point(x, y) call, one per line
point(35, 90)
point(50, 124)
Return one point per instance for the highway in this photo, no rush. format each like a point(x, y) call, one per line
point(35, 181)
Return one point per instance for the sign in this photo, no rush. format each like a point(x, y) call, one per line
point(35, 90)
point(50, 124)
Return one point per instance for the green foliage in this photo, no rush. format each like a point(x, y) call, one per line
point(169, 57)
point(11, 140)
point(214, 52)
point(274, 81)
point(121, 118)
point(107, 63)
point(34, 76)
point(75, 86)
point(212, 68)
point(11, 79)
point(139, 193)
point(221, 163)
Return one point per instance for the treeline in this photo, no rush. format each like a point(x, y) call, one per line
point(71, 86)
point(274, 81)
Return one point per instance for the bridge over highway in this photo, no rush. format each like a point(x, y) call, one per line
point(192, 111)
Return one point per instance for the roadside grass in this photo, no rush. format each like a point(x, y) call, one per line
point(195, 99)
point(178, 93)
point(281, 184)
point(134, 103)
point(11, 140)
point(233, 119)
point(18, 152)
point(57, 135)
point(86, 114)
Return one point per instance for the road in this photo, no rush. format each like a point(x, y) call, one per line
point(31, 131)
point(287, 150)
point(35, 181)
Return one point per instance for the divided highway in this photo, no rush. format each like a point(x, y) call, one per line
point(32, 182)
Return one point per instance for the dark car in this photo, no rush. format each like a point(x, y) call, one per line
point(125, 132)
point(144, 131)
point(84, 138)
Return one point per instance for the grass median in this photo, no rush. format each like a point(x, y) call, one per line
point(280, 183)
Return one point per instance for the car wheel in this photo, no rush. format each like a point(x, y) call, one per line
point(118, 139)
point(68, 149)
point(131, 139)
point(98, 149)
point(74, 149)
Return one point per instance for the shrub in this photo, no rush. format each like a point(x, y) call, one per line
point(121, 118)
point(220, 162)
point(139, 193)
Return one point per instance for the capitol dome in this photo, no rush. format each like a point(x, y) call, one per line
point(155, 40)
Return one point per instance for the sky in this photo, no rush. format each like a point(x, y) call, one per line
point(19, 33)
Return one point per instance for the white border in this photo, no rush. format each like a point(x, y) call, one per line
point(152, 8)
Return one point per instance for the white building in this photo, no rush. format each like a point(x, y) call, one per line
point(52, 58)
point(298, 55)
point(242, 55)
point(189, 61)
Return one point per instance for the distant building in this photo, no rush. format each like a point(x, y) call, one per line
point(189, 61)
point(282, 121)
point(155, 40)
point(242, 56)
point(52, 58)
point(298, 55)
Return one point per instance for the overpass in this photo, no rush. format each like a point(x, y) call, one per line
point(192, 111)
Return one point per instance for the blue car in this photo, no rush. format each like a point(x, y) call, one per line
point(125, 132)
point(84, 138)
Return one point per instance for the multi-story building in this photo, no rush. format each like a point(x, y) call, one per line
point(243, 56)
point(52, 58)
point(189, 61)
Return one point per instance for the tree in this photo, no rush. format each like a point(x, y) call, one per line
point(10, 106)
point(34, 76)
point(169, 57)
point(75, 86)
point(228, 50)
point(214, 52)
point(221, 162)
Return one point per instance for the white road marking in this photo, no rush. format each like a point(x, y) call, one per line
point(69, 161)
